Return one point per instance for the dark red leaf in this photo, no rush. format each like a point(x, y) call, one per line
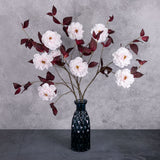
point(136, 40)
point(111, 39)
point(54, 10)
point(134, 48)
point(50, 76)
point(69, 50)
point(141, 62)
point(28, 84)
point(30, 43)
point(67, 20)
point(145, 38)
point(16, 85)
point(40, 37)
point(30, 61)
point(110, 31)
point(49, 83)
point(111, 18)
point(98, 35)
point(79, 42)
point(108, 42)
point(56, 20)
point(137, 75)
point(134, 69)
point(65, 30)
point(49, 14)
point(17, 91)
point(54, 109)
point(92, 64)
point(24, 40)
point(42, 79)
point(142, 33)
point(25, 24)
point(63, 51)
point(85, 51)
point(58, 61)
point(39, 47)
point(93, 45)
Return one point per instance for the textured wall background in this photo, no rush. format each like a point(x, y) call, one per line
point(109, 106)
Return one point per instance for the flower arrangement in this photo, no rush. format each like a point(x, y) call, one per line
point(53, 53)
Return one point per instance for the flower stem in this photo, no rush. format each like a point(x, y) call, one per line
point(61, 96)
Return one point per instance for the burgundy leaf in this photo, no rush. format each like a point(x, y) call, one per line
point(54, 109)
point(28, 84)
point(50, 76)
point(69, 50)
point(93, 45)
point(40, 37)
point(110, 31)
point(65, 30)
point(49, 83)
point(24, 40)
point(30, 43)
point(136, 40)
point(111, 18)
point(92, 64)
point(67, 20)
point(56, 20)
point(39, 47)
point(63, 51)
point(25, 24)
point(142, 33)
point(45, 48)
point(42, 79)
point(137, 75)
point(134, 48)
point(85, 51)
point(17, 91)
point(54, 10)
point(79, 42)
point(58, 61)
point(141, 62)
point(30, 61)
point(108, 42)
point(145, 38)
point(49, 14)
point(16, 85)
point(134, 69)
point(111, 39)
point(98, 35)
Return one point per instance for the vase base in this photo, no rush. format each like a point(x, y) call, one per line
point(80, 149)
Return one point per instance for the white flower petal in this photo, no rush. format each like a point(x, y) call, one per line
point(124, 78)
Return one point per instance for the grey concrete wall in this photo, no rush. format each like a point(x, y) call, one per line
point(109, 106)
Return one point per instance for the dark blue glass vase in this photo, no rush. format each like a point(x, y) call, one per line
point(80, 129)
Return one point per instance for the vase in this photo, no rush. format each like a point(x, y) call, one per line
point(80, 128)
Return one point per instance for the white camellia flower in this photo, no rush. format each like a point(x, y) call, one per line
point(52, 40)
point(78, 67)
point(124, 78)
point(75, 30)
point(47, 92)
point(122, 57)
point(55, 53)
point(42, 61)
point(98, 28)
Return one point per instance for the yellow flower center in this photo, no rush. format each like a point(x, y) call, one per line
point(124, 57)
point(43, 62)
point(46, 94)
point(125, 77)
point(50, 38)
point(76, 30)
point(99, 31)
point(77, 67)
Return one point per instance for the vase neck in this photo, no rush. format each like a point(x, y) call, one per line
point(80, 104)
